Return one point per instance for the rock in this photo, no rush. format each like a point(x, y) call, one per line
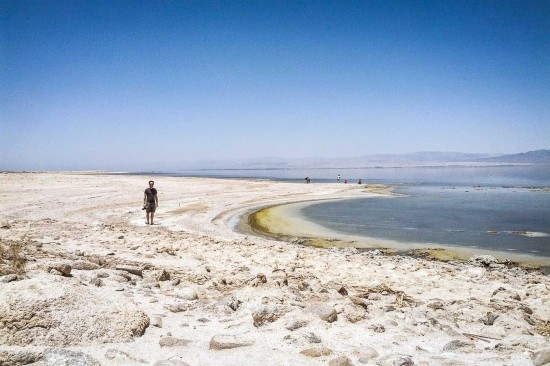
point(476, 272)
point(435, 305)
point(85, 265)
point(65, 357)
point(312, 338)
point(86, 278)
point(359, 301)
point(157, 275)
point(48, 310)
point(366, 353)
point(175, 282)
point(455, 344)
point(64, 268)
point(395, 360)
point(341, 361)
point(130, 269)
point(170, 363)
point(17, 358)
point(177, 307)
point(8, 278)
point(377, 328)
point(173, 342)
point(484, 260)
point(219, 342)
point(267, 314)
point(233, 303)
point(260, 279)
point(279, 277)
point(156, 321)
point(316, 352)
point(343, 291)
point(353, 314)
point(116, 355)
point(163, 276)
point(489, 319)
point(304, 286)
point(294, 324)
point(541, 357)
point(323, 311)
point(98, 282)
point(102, 274)
point(187, 293)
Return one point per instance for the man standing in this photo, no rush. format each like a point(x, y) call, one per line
point(150, 202)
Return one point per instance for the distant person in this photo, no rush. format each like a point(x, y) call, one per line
point(150, 202)
point(307, 180)
point(338, 177)
point(345, 181)
point(359, 182)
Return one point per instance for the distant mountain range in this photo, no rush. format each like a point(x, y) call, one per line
point(424, 158)
point(530, 157)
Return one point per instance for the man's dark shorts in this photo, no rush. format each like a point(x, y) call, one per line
point(150, 207)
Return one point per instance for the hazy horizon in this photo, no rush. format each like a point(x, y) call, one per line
point(92, 85)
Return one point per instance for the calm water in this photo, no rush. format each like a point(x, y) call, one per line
point(529, 176)
point(448, 215)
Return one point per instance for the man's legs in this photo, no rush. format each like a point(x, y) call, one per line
point(152, 217)
point(147, 217)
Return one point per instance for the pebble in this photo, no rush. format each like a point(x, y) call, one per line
point(220, 342)
point(541, 357)
point(173, 342)
point(455, 344)
point(312, 338)
point(323, 311)
point(130, 269)
point(233, 303)
point(8, 278)
point(266, 314)
point(316, 352)
point(395, 360)
point(114, 354)
point(366, 353)
point(64, 357)
point(156, 321)
point(341, 361)
point(187, 293)
point(294, 324)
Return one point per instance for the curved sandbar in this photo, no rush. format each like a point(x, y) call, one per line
point(285, 222)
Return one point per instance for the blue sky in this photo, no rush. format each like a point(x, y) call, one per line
point(115, 84)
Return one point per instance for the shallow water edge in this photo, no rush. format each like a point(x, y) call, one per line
point(285, 223)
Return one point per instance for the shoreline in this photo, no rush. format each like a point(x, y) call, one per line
point(190, 290)
point(283, 222)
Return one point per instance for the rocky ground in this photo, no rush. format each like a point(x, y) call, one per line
point(83, 281)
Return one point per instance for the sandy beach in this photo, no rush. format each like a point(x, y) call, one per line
point(92, 284)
